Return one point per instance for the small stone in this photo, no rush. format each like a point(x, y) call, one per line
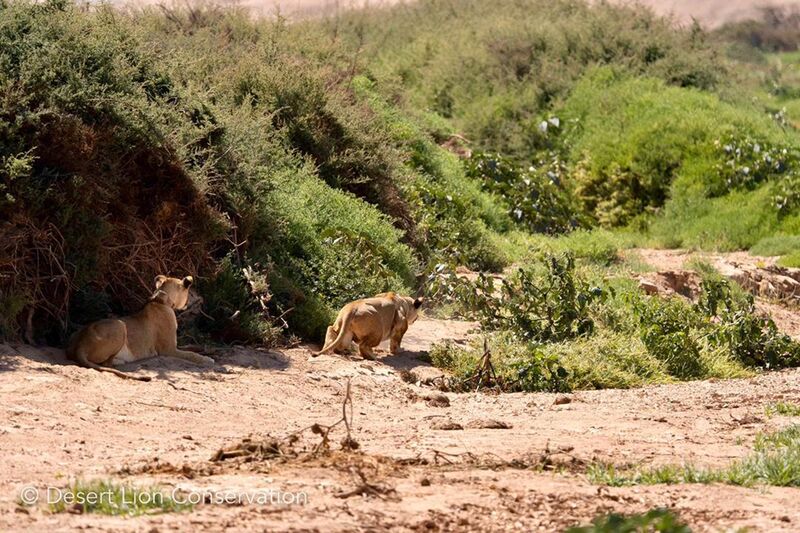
point(425, 482)
point(488, 423)
point(446, 425)
point(561, 400)
point(648, 287)
point(437, 399)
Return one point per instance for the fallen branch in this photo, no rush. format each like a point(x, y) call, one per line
point(365, 488)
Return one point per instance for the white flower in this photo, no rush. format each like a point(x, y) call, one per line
point(543, 126)
point(554, 121)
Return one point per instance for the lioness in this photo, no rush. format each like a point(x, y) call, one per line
point(370, 321)
point(151, 331)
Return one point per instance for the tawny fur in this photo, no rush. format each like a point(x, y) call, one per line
point(152, 331)
point(369, 322)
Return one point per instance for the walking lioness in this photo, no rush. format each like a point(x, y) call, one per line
point(151, 331)
point(370, 321)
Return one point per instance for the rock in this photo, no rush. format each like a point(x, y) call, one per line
point(437, 399)
point(488, 423)
point(648, 287)
point(446, 424)
point(561, 400)
point(425, 482)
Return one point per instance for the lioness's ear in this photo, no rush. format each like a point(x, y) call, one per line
point(160, 279)
point(187, 281)
point(418, 302)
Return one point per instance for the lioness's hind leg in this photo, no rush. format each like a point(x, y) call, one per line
point(397, 338)
point(366, 351)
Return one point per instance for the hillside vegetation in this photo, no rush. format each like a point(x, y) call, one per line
point(295, 167)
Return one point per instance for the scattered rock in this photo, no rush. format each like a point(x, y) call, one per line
point(425, 482)
point(446, 424)
point(436, 399)
point(648, 287)
point(561, 400)
point(748, 420)
point(488, 423)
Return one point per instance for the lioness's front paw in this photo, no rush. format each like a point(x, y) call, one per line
point(207, 360)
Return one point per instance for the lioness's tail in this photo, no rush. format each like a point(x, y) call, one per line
point(343, 323)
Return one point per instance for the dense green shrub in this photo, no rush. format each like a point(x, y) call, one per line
point(520, 366)
point(544, 304)
point(96, 195)
point(535, 198)
point(629, 145)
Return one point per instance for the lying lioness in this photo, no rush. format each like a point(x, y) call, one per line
point(151, 331)
point(370, 321)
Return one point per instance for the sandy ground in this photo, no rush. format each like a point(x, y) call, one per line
point(59, 422)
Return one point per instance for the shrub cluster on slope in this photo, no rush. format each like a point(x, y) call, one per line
point(494, 68)
point(640, 121)
point(200, 141)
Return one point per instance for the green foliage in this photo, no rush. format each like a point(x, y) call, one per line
point(236, 301)
point(132, 143)
point(495, 71)
point(776, 245)
point(520, 366)
point(783, 409)
point(535, 199)
point(629, 145)
point(668, 331)
point(547, 306)
point(608, 360)
point(662, 520)
point(744, 163)
point(774, 461)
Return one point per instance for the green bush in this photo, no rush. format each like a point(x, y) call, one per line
point(629, 145)
point(201, 140)
point(535, 199)
point(519, 365)
point(548, 304)
point(662, 520)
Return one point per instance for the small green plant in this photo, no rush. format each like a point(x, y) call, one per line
point(662, 520)
point(774, 461)
point(109, 498)
point(783, 409)
point(519, 366)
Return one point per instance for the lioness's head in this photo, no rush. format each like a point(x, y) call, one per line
point(173, 292)
point(413, 309)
